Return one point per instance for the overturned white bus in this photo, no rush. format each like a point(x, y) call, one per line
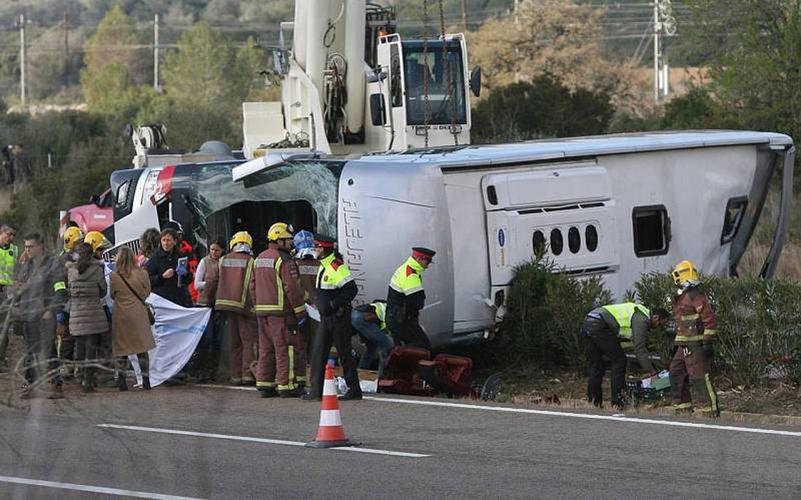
point(615, 206)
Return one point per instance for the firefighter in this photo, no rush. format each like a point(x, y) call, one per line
point(406, 297)
point(695, 333)
point(308, 265)
point(9, 254)
point(66, 343)
point(234, 299)
point(609, 330)
point(280, 309)
point(335, 291)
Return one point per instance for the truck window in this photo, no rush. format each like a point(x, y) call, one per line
point(416, 65)
point(396, 86)
point(651, 230)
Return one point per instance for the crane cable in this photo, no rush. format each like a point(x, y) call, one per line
point(426, 109)
point(447, 69)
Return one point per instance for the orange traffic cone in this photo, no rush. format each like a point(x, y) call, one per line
point(330, 433)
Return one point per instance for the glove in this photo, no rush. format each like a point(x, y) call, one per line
point(709, 350)
point(61, 318)
point(301, 321)
point(180, 271)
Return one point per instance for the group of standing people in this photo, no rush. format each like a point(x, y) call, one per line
point(75, 317)
point(293, 303)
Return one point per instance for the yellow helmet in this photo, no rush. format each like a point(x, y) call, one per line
point(95, 239)
point(684, 271)
point(72, 236)
point(279, 231)
point(241, 237)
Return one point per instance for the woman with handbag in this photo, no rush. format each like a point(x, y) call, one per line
point(87, 318)
point(132, 317)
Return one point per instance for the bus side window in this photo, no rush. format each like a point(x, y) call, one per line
point(396, 88)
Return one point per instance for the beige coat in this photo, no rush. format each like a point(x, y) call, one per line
point(130, 328)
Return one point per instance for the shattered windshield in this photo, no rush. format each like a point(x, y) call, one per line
point(314, 183)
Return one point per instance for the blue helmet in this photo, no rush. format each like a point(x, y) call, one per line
point(303, 240)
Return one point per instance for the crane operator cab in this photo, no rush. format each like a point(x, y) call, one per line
point(418, 93)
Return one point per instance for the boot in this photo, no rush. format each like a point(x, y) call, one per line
point(145, 382)
point(267, 392)
point(122, 384)
point(287, 393)
point(351, 395)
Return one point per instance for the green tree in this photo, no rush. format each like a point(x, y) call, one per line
point(116, 40)
point(542, 108)
point(755, 65)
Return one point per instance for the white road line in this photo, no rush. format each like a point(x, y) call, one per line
point(90, 489)
point(257, 440)
point(588, 416)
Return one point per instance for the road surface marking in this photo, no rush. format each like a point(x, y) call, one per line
point(258, 440)
point(588, 416)
point(90, 489)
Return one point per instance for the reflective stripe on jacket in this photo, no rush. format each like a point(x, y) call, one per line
point(308, 269)
point(235, 272)
point(8, 261)
point(276, 285)
point(623, 313)
point(333, 273)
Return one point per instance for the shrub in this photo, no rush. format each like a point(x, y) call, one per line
point(759, 322)
point(543, 316)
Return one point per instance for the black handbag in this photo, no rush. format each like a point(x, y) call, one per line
point(151, 313)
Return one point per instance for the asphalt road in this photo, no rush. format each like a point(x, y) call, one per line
point(472, 452)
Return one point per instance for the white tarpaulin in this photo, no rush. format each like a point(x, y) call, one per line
point(177, 332)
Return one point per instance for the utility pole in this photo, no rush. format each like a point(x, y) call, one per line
point(23, 95)
point(156, 52)
point(664, 25)
point(517, 49)
point(66, 48)
point(464, 17)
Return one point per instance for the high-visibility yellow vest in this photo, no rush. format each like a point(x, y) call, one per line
point(332, 275)
point(380, 309)
point(407, 279)
point(8, 261)
point(623, 313)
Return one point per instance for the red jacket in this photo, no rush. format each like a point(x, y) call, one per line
point(275, 284)
point(695, 320)
point(233, 282)
point(186, 249)
point(308, 269)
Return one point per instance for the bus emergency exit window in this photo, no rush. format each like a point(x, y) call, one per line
point(651, 230)
point(735, 210)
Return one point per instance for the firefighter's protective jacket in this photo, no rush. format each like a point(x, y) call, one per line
point(236, 270)
point(308, 269)
point(275, 284)
point(695, 320)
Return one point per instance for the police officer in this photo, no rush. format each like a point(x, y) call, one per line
point(233, 298)
point(308, 265)
point(406, 297)
point(280, 309)
point(696, 327)
point(610, 329)
point(9, 254)
point(335, 291)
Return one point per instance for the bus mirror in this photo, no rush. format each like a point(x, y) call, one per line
point(475, 81)
point(377, 109)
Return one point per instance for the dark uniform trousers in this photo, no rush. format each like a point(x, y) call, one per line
point(689, 379)
point(602, 342)
point(41, 360)
point(406, 330)
point(333, 330)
